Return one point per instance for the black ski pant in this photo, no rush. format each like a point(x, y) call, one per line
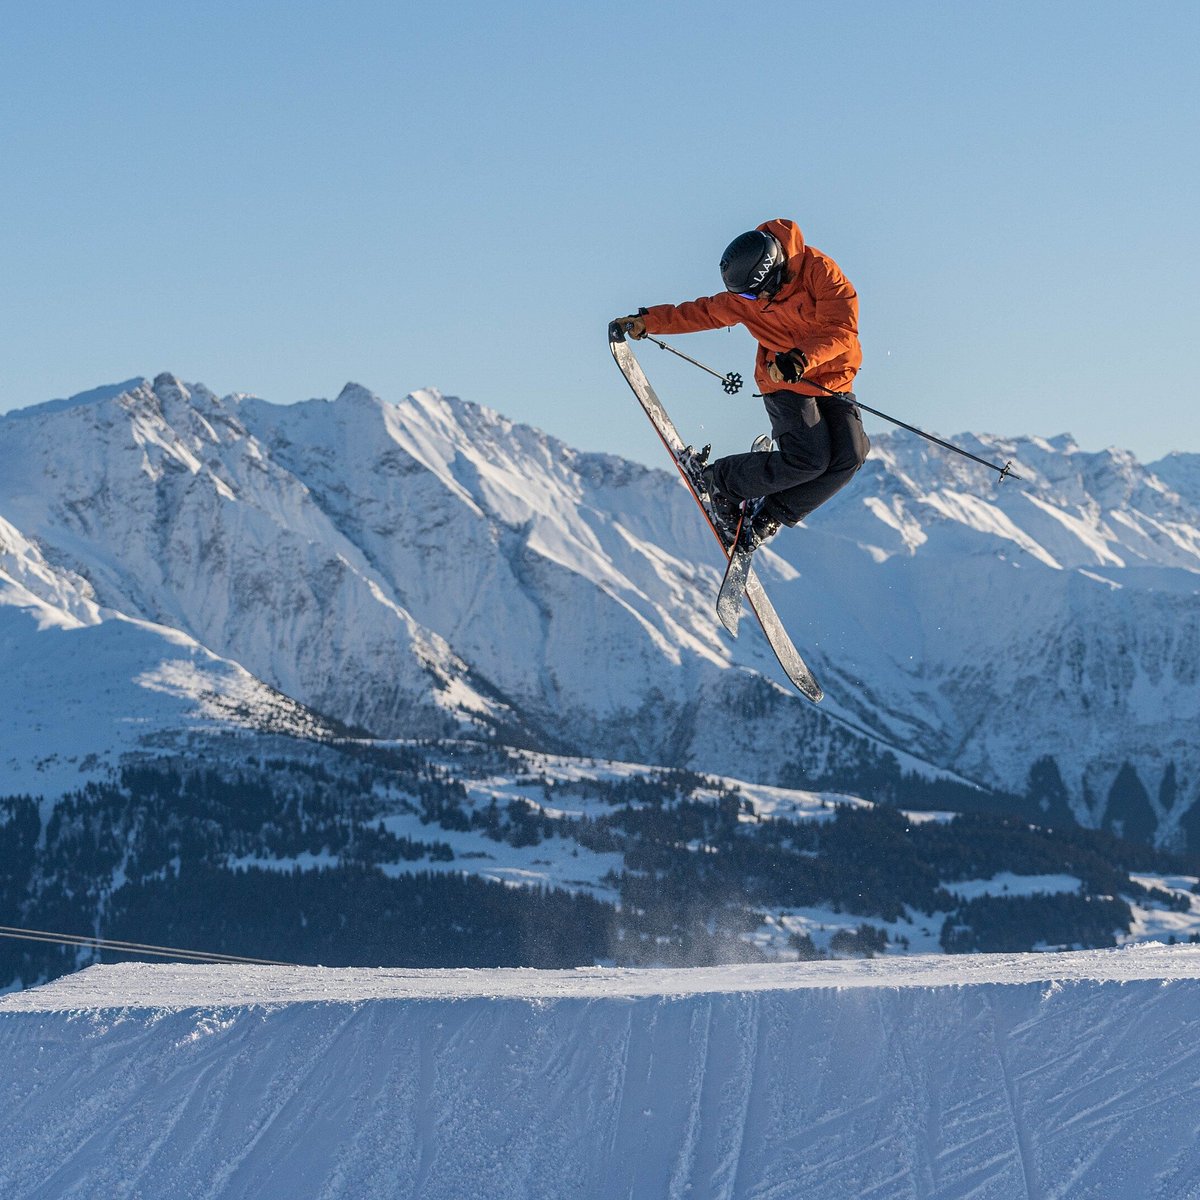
point(821, 445)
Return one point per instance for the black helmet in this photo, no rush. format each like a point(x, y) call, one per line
point(753, 263)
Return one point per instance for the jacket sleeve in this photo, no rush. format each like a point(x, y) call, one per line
point(835, 324)
point(709, 312)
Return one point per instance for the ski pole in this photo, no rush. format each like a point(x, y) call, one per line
point(731, 382)
point(1005, 472)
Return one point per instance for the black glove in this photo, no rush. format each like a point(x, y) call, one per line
point(791, 365)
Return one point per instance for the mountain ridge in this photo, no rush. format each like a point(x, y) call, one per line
point(428, 565)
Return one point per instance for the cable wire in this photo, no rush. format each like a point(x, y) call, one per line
point(213, 957)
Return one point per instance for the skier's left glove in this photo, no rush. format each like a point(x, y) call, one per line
point(789, 367)
point(634, 324)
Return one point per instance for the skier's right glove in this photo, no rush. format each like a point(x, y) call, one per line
point(634, 325)
point(789, 365)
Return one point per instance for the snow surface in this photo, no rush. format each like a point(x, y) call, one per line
point(973, 1077)
point(1006, 883)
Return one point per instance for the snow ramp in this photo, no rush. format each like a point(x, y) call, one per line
point(1000, 1077)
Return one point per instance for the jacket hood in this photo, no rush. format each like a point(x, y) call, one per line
point(788, 233)
point(792, 241)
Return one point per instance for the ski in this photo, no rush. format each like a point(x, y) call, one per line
point(733, 586)
point(737, 576)
point(685, 461)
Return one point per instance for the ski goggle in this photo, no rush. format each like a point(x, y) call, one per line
point(770, 285)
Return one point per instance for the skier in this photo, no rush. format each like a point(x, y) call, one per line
point(804, 313)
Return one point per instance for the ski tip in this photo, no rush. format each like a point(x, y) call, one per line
point(731, 617)
point(802, 680)
point(615, 332)
point(729, 609)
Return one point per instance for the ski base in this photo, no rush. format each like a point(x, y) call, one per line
point(733, 586)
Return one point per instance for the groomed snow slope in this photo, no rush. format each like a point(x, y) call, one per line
point(1059, 1075)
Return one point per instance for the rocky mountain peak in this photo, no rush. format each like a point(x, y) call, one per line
point(355, 393)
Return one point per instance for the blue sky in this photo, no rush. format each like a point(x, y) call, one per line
point(281, 197)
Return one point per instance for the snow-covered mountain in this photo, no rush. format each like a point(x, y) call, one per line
point(427, 566)
point(85, 686)
point(408, 569)
point(1054, 618)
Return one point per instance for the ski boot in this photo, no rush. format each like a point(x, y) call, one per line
point(726, 509)
point(693, 462)
point(758, 527)
point(723, 508)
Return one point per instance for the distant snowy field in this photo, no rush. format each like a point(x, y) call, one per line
point(563, 863)
point(974, 1077)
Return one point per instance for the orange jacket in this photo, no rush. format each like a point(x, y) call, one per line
point(816, 310)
